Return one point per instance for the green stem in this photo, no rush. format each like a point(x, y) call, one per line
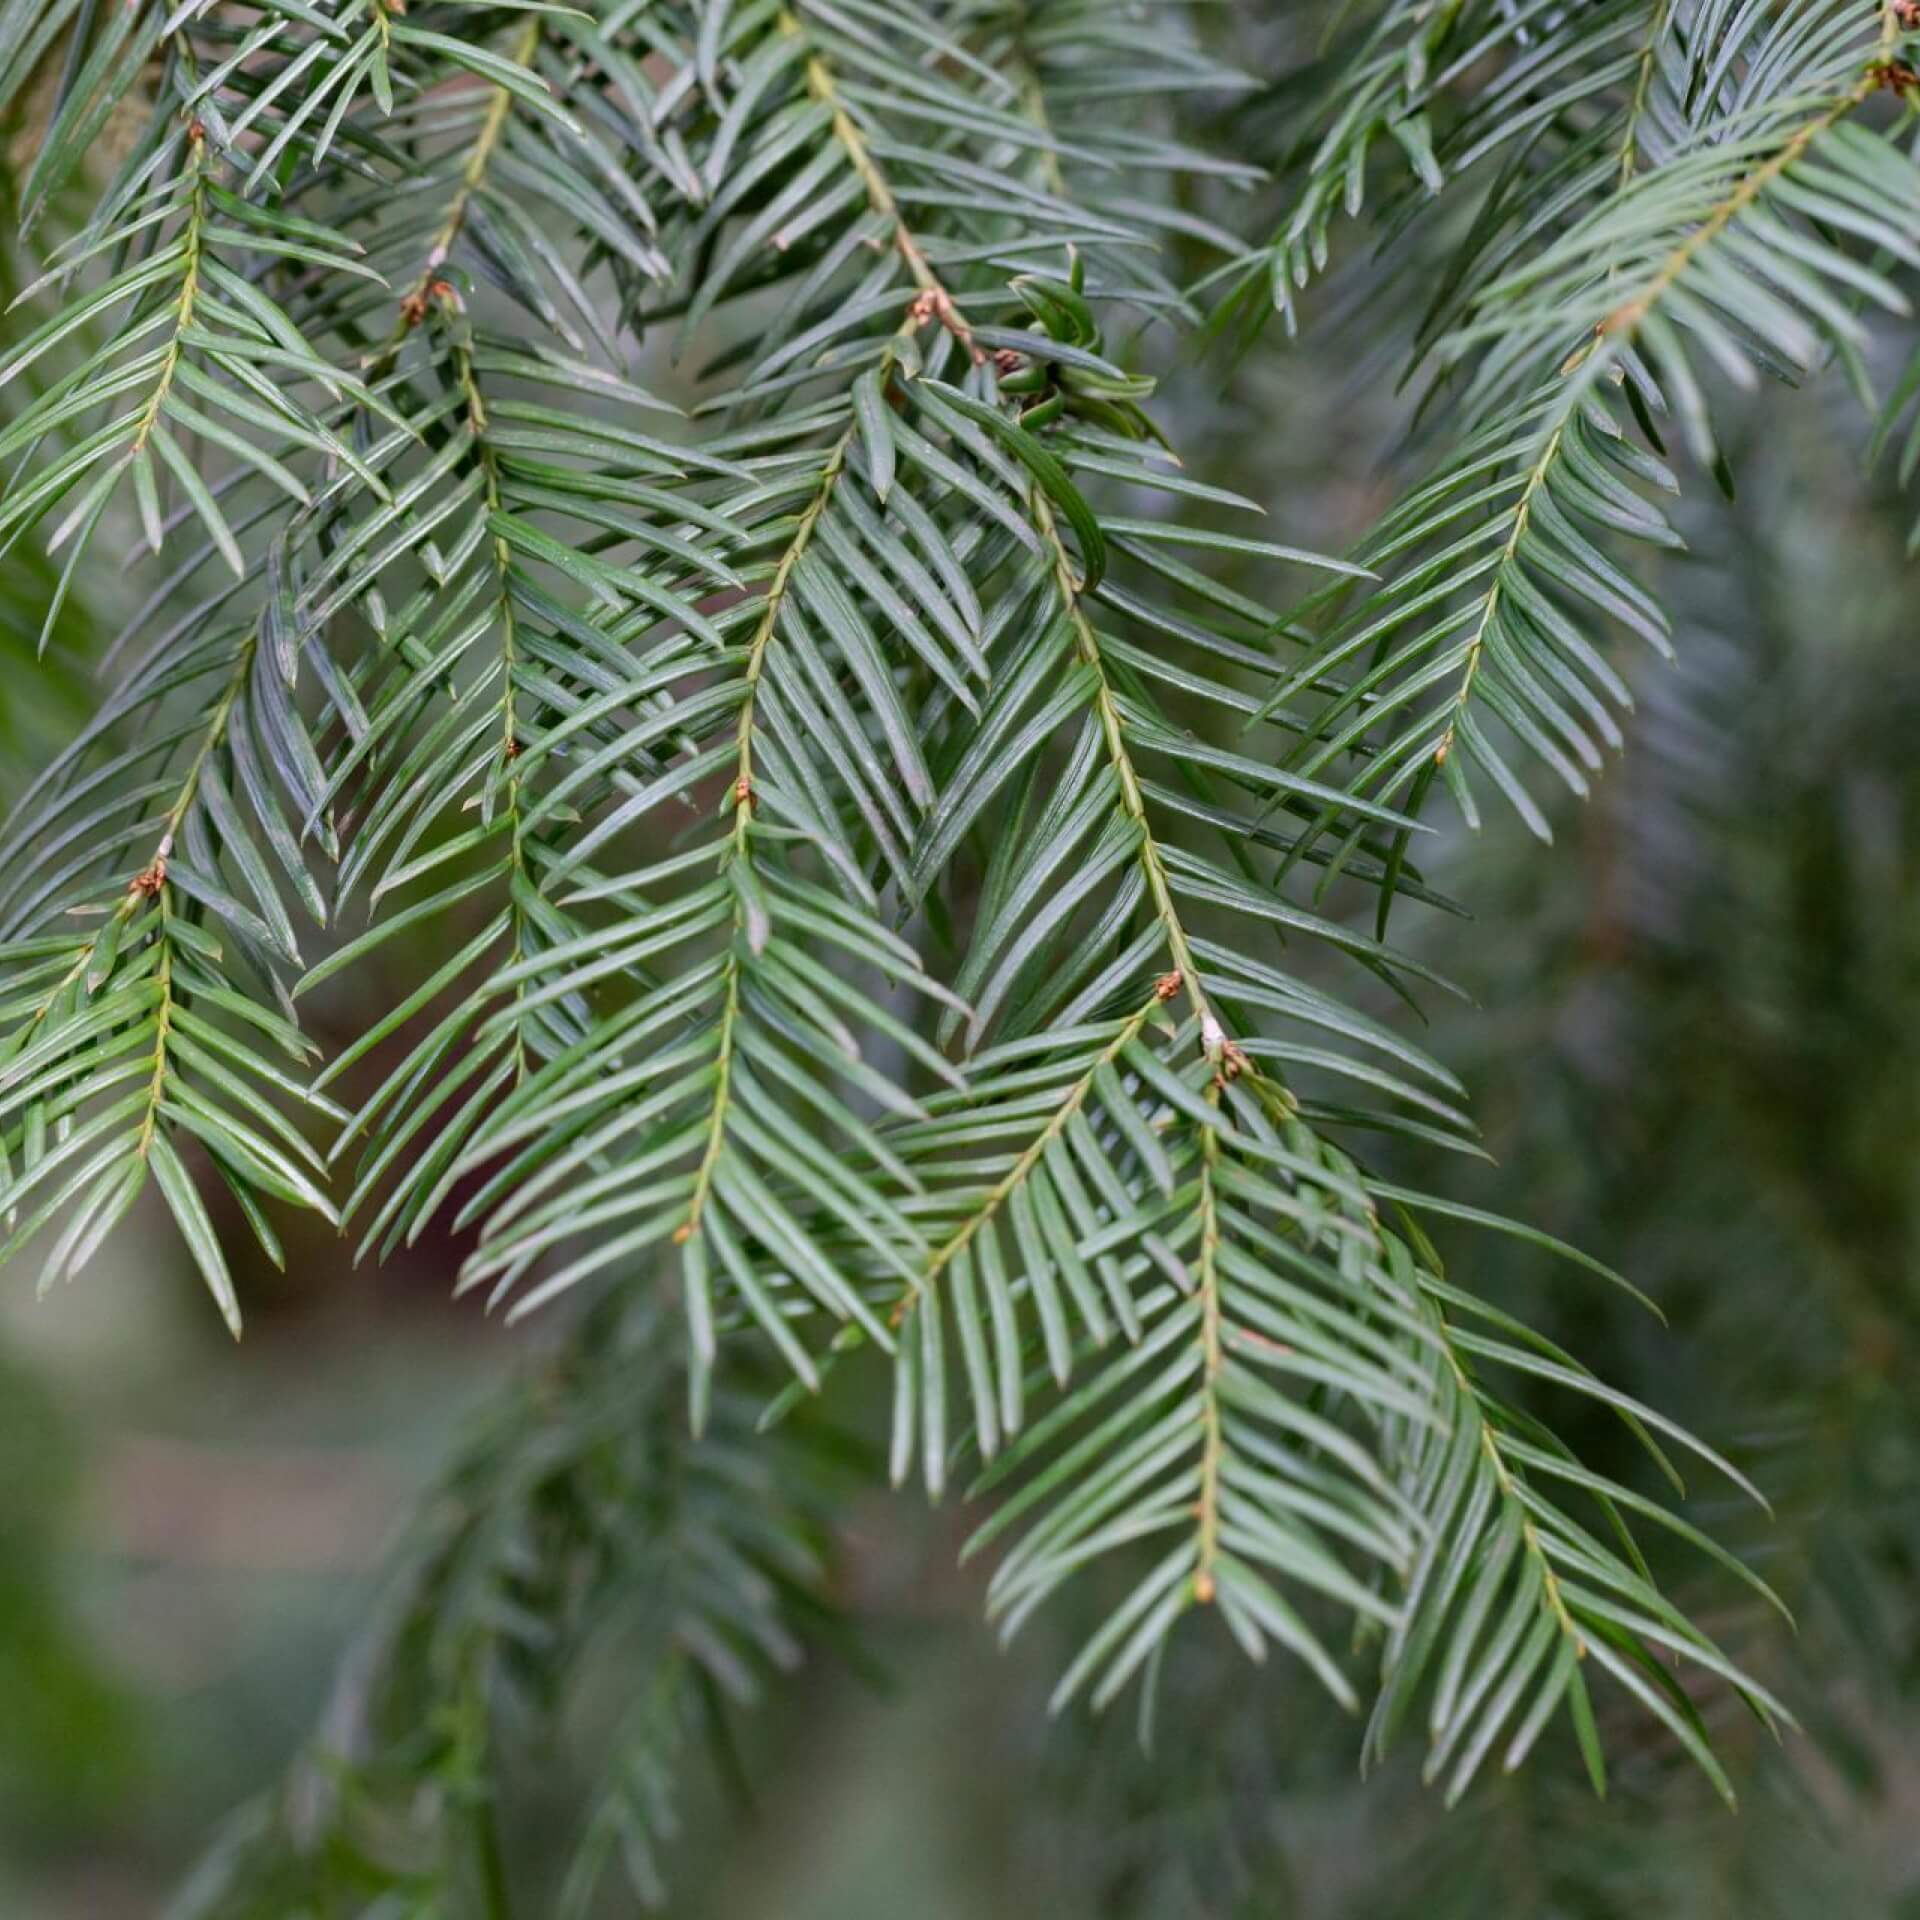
point(1076, 1097)
point(1476, 648)
point(1642, 90)
point(414, 308)
point(150, 880)
point(415, 302)
point(1505, 1478)
point(1628, 318)
point(210, 743)
point(479, 158)
point(468, 381)
point(155, 878)
point(938, 304)
point(1213, 1444)
point(737, 845)
point(1133, 802)
point(189, 289)
point(162, 1029)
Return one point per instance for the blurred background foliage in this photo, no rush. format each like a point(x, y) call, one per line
point(1694, 1053)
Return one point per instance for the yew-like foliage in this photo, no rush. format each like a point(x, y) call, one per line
point(653, 525)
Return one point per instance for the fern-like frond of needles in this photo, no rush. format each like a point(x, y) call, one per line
point(1754, 220)
point(667, 732)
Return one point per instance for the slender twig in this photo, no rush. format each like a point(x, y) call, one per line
point(935, 302)
point(1132, 801)
point(191, 234)
point(932, 303)
point(1642, 90)
point(479, 159)
point(492, 497)
point(1627, 318)
point(1071, 1102)
point(1213, 1442)
point(1536, 480)
point(738, 844)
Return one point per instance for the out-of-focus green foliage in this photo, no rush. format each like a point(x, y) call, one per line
point(66, 1727)
point(585, 1568)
